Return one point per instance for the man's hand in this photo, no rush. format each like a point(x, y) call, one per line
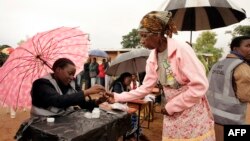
point(94, 90)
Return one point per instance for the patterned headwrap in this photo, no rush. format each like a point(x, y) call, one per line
point(158, 22)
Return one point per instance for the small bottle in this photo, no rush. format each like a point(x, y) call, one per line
point(12, 113)
point(96, 113)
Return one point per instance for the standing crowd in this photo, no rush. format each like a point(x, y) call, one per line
point(94, 73)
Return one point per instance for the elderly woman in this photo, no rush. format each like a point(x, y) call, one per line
point(173, 64)
point(57, 93)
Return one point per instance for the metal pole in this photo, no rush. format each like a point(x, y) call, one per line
point(191, 37)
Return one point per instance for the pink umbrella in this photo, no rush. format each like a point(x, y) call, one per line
point(34, 58)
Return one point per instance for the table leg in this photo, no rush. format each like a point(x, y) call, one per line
point(138, 124)
point(149, 111)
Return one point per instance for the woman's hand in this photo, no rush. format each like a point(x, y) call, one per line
point(94, 90)
point(110, 97)
point(109, 94)
point(105, 97)
point(164, 111)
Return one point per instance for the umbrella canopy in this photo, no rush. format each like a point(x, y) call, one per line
point(132, 62)
point(194, 15)
point(35, 57)
point(98, 53)
point(203, 14)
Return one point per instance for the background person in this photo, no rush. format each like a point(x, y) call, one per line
point(108, 79)
point(86, 77)
point(101, 75)
point(134, 83)
point(93, 71)
point(229, 91)
point(122, 84)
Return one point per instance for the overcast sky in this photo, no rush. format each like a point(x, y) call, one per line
point(105, 20)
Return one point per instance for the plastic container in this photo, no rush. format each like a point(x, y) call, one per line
point(96, 113)
point(50, 119)
point(88, 115)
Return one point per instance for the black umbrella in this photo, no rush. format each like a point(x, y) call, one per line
point(133, 62)
point(195, 15)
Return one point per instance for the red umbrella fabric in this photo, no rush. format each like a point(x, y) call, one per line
point(34, 58)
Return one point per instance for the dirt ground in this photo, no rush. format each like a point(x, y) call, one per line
point(9, 126)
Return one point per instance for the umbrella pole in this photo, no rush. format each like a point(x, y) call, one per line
point(191, 37)
point(138, 78)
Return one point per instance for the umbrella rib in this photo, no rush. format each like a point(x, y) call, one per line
point(23, 58)
point(48, 50)
point(60, 47)
point(56, 50)
point(51, 50)
point(64, 39)
point(26, 50)
point(19, 90)
point(50, 40)
point(45, 49)
point(27, 70)
point(34, 45)
point(17, 66)
point(65, 54)
point(19, 87)
point(51, 31)
point(27, 73)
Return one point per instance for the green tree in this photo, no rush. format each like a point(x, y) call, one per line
point(131, 40)
point(205, 49)
point(3, 58)
point(241, 30)
point(20, 42)
point(4, 46)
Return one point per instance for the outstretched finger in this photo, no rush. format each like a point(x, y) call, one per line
point(109, 94)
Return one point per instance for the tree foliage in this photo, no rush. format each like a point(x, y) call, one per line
point(241, 30)
point(131, 40)
point(3, 56)
point(205, 49)
point(4, 46)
